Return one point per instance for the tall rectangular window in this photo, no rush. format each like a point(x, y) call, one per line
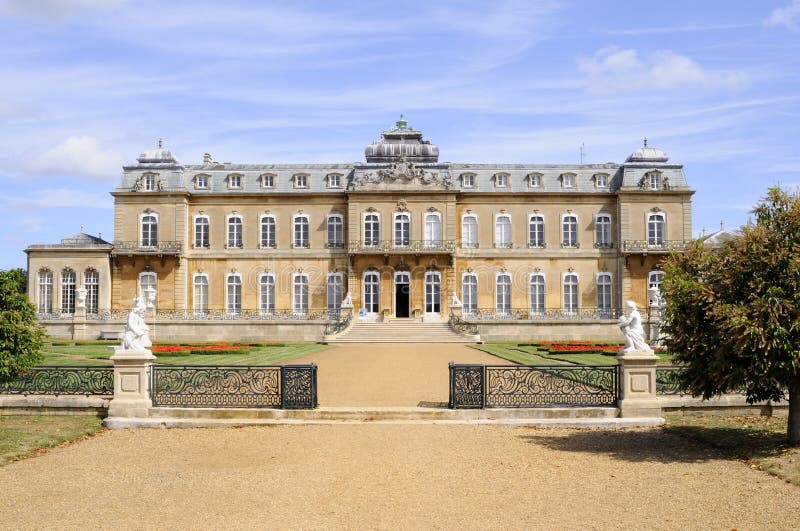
point(200, 295)
point(335, 231)
point(503, 294)
point(570, 293)
point(402, 230)
point(655, 230)
point(469, 232)
point(300, 302)
point(267, 231)
point(372, 230)
point(234, 295)
point(335, 289)
point(604, 295)
point(266, 294)
point(537, 294)
point(469, 294)
point(301, 235)
point(569, 231)
point(502, 231)
point(432, 292)
point(433, 230)
point(201, 232)
point(91, 281)
point(45, 303)
point(235, 232)
point(602, 226)
point(372, 290)
point(149, 231)
point(147, 281)
point(68, 292)
point(536, 231)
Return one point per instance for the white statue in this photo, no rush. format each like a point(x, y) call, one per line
point(455, 302)
point(631, 326)
point(137, 333)
point(348, 301)
point(80, 297)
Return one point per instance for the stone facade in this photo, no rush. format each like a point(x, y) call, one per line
point(401, 233)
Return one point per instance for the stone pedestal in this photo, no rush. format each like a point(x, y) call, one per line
point(637, 386)
point(131, 383)
point(79, 324)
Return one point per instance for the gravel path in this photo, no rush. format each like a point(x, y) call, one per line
point(389, 374)
point(391, 476)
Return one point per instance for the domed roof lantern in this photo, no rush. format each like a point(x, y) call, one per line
point(160, 155)
point(648, 154)
point(401, 143)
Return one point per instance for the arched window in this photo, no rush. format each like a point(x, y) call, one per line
point(200, 282)
point(268, 231)
point(537, 293)
point(300, 291)
point(147, 280)
point(68, 292)
point(536, 231)
point(91, 281)
point(402, 229)
point(266, 293)
point(233, 288)
point(372, 230)
point(602, 230)
point(235, 230)
point(469, 232)
point(45, 302)
point(655, 229)
point(570, 293)
point(502, 231)
point(433, 287)
point(201, 232)
point(335, 288)
point(372, 290)
point(604, 295)
point(469, 294)
point(569, 231)
point(335, 231)
point(433, 230)
point(503, 294)
point(149, 230)
point(301, 235)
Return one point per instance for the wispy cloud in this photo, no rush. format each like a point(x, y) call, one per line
point(787, 16)
point(688, 28)
point(79, 156)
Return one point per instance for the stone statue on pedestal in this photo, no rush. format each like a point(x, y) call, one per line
point(137, 333)
point(348, 301)
point(455, 302)
point(631, 326)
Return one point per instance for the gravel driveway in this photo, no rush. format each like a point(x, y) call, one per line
point(391, 476)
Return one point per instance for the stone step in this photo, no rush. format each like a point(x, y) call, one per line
point(401, 332)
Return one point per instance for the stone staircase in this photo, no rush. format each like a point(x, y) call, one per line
point(401, 331)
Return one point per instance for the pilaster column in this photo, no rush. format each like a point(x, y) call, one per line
point(637, 386)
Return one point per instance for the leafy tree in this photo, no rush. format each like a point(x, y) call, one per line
point(733, 313)
point(21, 337)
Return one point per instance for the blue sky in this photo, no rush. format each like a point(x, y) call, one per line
point(86, 85)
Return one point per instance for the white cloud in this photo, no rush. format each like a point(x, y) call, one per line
point(58, 198)
point(616, 69)
point(54, 9)
point(78, 156)
point(788, 16)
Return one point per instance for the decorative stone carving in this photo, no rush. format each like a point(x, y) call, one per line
point(631, 326)
point(401, 174)
point(138, 186)
point(137, 333)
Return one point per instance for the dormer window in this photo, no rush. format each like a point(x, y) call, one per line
point(501, 180)
point(535, 180)
point(234, 181)
point(334, 180)
point(568, 180)
point(201, 182)
point(653, 180)
point(149, 182)
point(267, 180)
point(468, 180)
point(301, 180)
point(601, 180)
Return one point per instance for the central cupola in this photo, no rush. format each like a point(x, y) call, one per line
point(402, 143)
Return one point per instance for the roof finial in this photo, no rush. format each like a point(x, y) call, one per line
point(402, 123)
point(645, 141)
point(83, 228)
point(721, 225)
point(161, 143)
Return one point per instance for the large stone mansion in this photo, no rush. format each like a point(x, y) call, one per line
point(405, 235)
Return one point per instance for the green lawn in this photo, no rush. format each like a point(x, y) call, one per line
point(531, 355)
point(23, 435)
point(94, 353)
point(758, 441)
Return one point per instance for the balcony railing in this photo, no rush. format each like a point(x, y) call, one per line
point(126, 248)
point(213, 314)
point(647, 246)
point(405, 246)
point(534, 314)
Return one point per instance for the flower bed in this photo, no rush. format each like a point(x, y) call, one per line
point(221, 347)
point(579, 347)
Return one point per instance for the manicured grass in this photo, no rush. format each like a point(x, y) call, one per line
point(758, 441)
point(23, 435)
point(92, 353)
point(524, 355)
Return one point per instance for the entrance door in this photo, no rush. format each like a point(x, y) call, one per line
point(372, 289)
point(402, 294)
point(432, 292)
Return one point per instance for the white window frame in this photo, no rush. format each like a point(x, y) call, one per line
point(149, 182)
point(401, 220)
point(235, 181)
point(273, 241)
point(150, 243)
point(299, 243)
point(654, 180)
point(44, 299)
point(659, 275)
point(567, 308)
point(335, 180)
point(531, 243)
point(301, 301)
point(535, 180)
point(301, 180)
point(266, 294)
point(371, 242)
point(602, 230)
point(601, 180)
point(467, 243)
point(91, 282)
point(433, 292)
point(204, 184)
point(334, 239)
point(469, 300)
point(232, 243)
point(67, 294)
point(502, 180)
point(503, 311)
point(658, 239)
point(332, 297)
point(569, 180)
point(233, 298)
point(432, 240)
point(468, 180)
point(497, 242)
point(147, 274)
point(207, 238)
point(535, 307)
point(564, 241)
point(200, 300)
point(604, 307)
point(377, 301)
point(267, 180)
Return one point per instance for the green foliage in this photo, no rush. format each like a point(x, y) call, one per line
point(21, 338)
point(733, 314)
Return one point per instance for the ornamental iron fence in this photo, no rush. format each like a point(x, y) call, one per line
point(343, 320)
point(668, 380)
point(401, 246)
point(482, 386)
point(659, 246)
point(538, 314)
point(49, 380)
point(307, 314)
point(266, 386)
point(458, 324)
point(135, 247)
